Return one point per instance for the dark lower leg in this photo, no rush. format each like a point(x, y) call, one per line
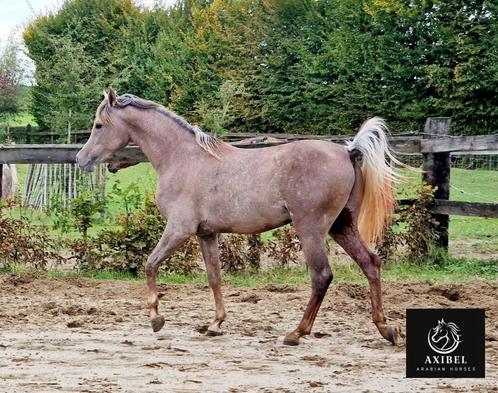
point(348, 238)
point(210, 253)
point(304, 327)
point(321, 277)
point(372, 272)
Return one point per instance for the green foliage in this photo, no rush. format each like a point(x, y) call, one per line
point(69, 86)
point(126, 247)
point(295, 66)
point(25, 244)
point(75, 52)
point(12, 73)
point(410, 235)
point(85, 207)
point(129, 196)
point(81, 213)
point(61, 219)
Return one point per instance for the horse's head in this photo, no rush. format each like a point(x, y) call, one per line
point(110, 133)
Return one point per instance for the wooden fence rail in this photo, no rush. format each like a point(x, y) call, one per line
point(459, 208)
point(64, 153)
point(435, 144)
point(404, 143)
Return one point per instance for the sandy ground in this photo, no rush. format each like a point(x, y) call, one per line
point(79, 335)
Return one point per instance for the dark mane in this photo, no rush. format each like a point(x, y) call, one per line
point(209, 143)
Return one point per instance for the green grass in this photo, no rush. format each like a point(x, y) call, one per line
point(448, 270)
point(142, 174)
point(466, 185)
point(479, 186)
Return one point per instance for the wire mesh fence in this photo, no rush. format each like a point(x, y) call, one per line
point(46, 183)
point(485, 161)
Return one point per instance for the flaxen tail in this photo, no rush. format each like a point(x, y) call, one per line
point(379, 178)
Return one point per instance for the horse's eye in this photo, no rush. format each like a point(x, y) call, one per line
point(98, 126)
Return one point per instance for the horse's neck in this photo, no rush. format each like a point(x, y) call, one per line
point(164, 143)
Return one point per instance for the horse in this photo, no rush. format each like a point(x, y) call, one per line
point(9, 181)
point(207, 187)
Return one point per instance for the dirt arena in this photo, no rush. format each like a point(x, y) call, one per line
point(82, 335)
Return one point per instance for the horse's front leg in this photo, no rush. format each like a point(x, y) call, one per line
point(171, 239)
point(210, 253)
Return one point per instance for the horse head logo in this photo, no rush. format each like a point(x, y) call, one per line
point(444, 338)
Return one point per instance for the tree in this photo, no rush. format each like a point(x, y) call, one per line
point(91, 30)
point(69, 84)
point(12, 72)
point(296, 66)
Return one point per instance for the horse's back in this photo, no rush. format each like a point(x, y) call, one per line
point(316, 174)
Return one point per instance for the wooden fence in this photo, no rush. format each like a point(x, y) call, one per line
point(435, 144)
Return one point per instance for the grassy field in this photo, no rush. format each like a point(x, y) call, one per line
point(450, 270)
point(470, 186)
point(467, 185)
point(481, 233)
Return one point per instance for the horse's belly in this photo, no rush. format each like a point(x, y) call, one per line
point(245, 218)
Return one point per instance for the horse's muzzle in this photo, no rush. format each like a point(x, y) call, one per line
point(86, 164)
point(111, 168)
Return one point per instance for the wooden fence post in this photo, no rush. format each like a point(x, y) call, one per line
point(29, 129)
point(437, 168)
point(1, 180)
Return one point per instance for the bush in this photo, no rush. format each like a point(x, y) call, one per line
point(285, 247)
point(410, 235)
point(126, 247)
point(255, 247)
point(232, 252)
point(24, 243)
point(81, 214)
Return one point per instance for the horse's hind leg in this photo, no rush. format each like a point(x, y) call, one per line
point(210, 253)
point(345, 233)
point(315, 252)
point(169, 242)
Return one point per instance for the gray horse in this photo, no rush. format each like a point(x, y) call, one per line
point(9, 181)
point(206, 187)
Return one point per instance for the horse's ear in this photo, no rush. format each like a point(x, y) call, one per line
point(112, 97)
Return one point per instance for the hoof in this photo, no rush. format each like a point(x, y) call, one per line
point(291, 339)
point(157, 323)
point(214, 333)
point(392, 335)
point(214, 329)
